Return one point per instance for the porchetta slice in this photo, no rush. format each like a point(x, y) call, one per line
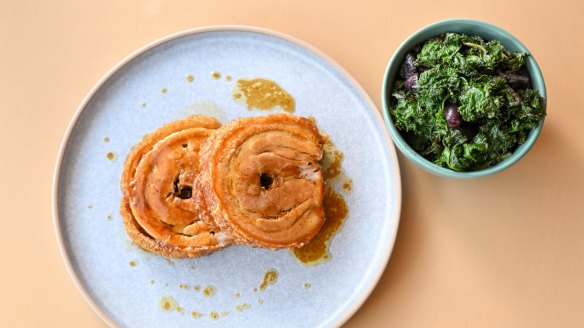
point(261, 180)
point(157, 182)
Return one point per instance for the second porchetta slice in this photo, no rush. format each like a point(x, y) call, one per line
point(157, 181)
point(261, 180)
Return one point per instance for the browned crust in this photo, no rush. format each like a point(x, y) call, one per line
point(144, 241)
point(208, 170)
point(137, 153)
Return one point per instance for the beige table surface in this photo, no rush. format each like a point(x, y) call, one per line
point(504, 251)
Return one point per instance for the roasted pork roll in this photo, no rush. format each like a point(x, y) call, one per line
point(157, 185)
point(261, 181)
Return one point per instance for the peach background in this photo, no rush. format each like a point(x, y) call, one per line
point(504, 251)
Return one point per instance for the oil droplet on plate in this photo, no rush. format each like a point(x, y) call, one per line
point(164, 90)
point(270, 278)
point(90, 206)
point(263, 94)
point(110, 217)
point(242, 307)
point(348, 185)
point(133, 263)
point(106, 139)
point(144, 105)
point(196, 314)
point(190, 78)
point(214, 315)
point(216, 75)
point(152, 282)
point(197, 288)
point(168, 304)
point(228, 78)
point(111, 156)
point(209, 291)
point(260, 301)
point(307, 285)
point(184, 286)
point(224, 313)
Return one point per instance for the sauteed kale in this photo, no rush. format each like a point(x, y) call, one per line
point(463, 102)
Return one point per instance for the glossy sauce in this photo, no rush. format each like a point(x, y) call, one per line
point(209, 291)
point(242, 307)
point(316, 250)
point(270, 278)
point(169, 304)
point(331, 161)
point(335, 208)
point(263, 94)
point(348, 185)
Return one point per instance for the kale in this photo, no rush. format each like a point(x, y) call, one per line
point(464, 102)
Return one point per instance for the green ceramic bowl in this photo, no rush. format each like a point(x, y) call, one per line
point(470, 27)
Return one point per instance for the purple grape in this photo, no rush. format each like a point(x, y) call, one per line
point(411, 83)
point(408, 66)
point(452, 116)
point(516, 80)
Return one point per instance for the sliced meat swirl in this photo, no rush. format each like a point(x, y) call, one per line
point(261, 180)
point(157, 184)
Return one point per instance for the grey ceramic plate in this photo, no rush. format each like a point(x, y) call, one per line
point(129, 102)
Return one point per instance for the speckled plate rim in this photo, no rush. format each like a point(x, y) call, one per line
point(223, 28)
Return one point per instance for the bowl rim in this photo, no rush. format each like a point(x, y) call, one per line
point(413, 155)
